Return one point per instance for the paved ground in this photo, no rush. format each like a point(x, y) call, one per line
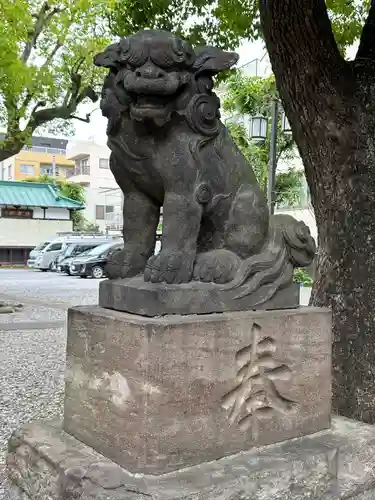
point(47, 288)
point(32, 345)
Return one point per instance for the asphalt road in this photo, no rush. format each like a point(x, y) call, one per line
point(51, 289)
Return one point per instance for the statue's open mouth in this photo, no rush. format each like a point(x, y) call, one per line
point(147, 106)
point(149, 102)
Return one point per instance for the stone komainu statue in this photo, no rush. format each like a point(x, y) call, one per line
point(169, 148)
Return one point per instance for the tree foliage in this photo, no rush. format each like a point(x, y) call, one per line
point(46, 48)
point(245, 97)
point(46, 68)
point(58, 128)
point(200, 21)
point(222, 22)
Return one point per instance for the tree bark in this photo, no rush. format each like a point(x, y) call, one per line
point(329, 103)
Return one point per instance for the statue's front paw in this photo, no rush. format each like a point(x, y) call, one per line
point(170, 267)
point(119, 266)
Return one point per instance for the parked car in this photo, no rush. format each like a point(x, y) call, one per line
point(92, 263)
point(63, 267)
point(65, 258)
point(45, 260)
point(53, 266)
point(35, 252)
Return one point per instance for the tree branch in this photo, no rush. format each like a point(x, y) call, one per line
point(65, 112)
point(39, 104)
point(42, 19)
point(366, 49)
point(79, 118)
point(50, 57)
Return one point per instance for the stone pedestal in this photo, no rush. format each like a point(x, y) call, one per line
point(136, 296)
point(160, 394)
point(182, 407)
point(45, 463)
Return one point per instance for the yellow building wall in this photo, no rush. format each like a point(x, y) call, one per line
point(36, 160)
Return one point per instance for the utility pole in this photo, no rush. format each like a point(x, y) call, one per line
point(54, 168)
point(272, 161)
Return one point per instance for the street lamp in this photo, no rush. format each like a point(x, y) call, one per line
point(258, 128)
point(258, 131)
point(285, 125)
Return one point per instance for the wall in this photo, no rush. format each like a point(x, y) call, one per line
point(97, 196)
point(7, 169)
point(30, 232)
point(99, 177)
point(36, 159)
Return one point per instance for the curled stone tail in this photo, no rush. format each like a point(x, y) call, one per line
point(266, 276)
point(289, 245)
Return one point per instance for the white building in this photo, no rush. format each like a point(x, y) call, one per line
point(104, 208)
point(91, 165)
point(257, 67)
point(102, 194)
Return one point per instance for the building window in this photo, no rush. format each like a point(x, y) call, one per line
point(103, 163)
point(27, 169)
point(82, 167)
point(17, 213)
point(47, 169)
point(101, 210)
point(40, 149)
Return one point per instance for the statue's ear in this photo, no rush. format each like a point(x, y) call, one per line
point(108, 58)
point(213, 60)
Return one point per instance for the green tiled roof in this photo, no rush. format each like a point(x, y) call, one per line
point(35, 194)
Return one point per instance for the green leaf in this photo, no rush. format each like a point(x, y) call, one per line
point(39, 47)
point(222, 22)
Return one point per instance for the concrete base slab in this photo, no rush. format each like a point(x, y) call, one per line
point(46, 463)
point(136, 296)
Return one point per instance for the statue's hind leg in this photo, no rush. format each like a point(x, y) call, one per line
point(248, 223)
point(216, 266)
point(246, 230)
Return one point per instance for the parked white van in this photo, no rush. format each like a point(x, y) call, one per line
point(48, 254)
point(35, 252)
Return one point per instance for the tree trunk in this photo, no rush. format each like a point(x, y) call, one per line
point(329, 104)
